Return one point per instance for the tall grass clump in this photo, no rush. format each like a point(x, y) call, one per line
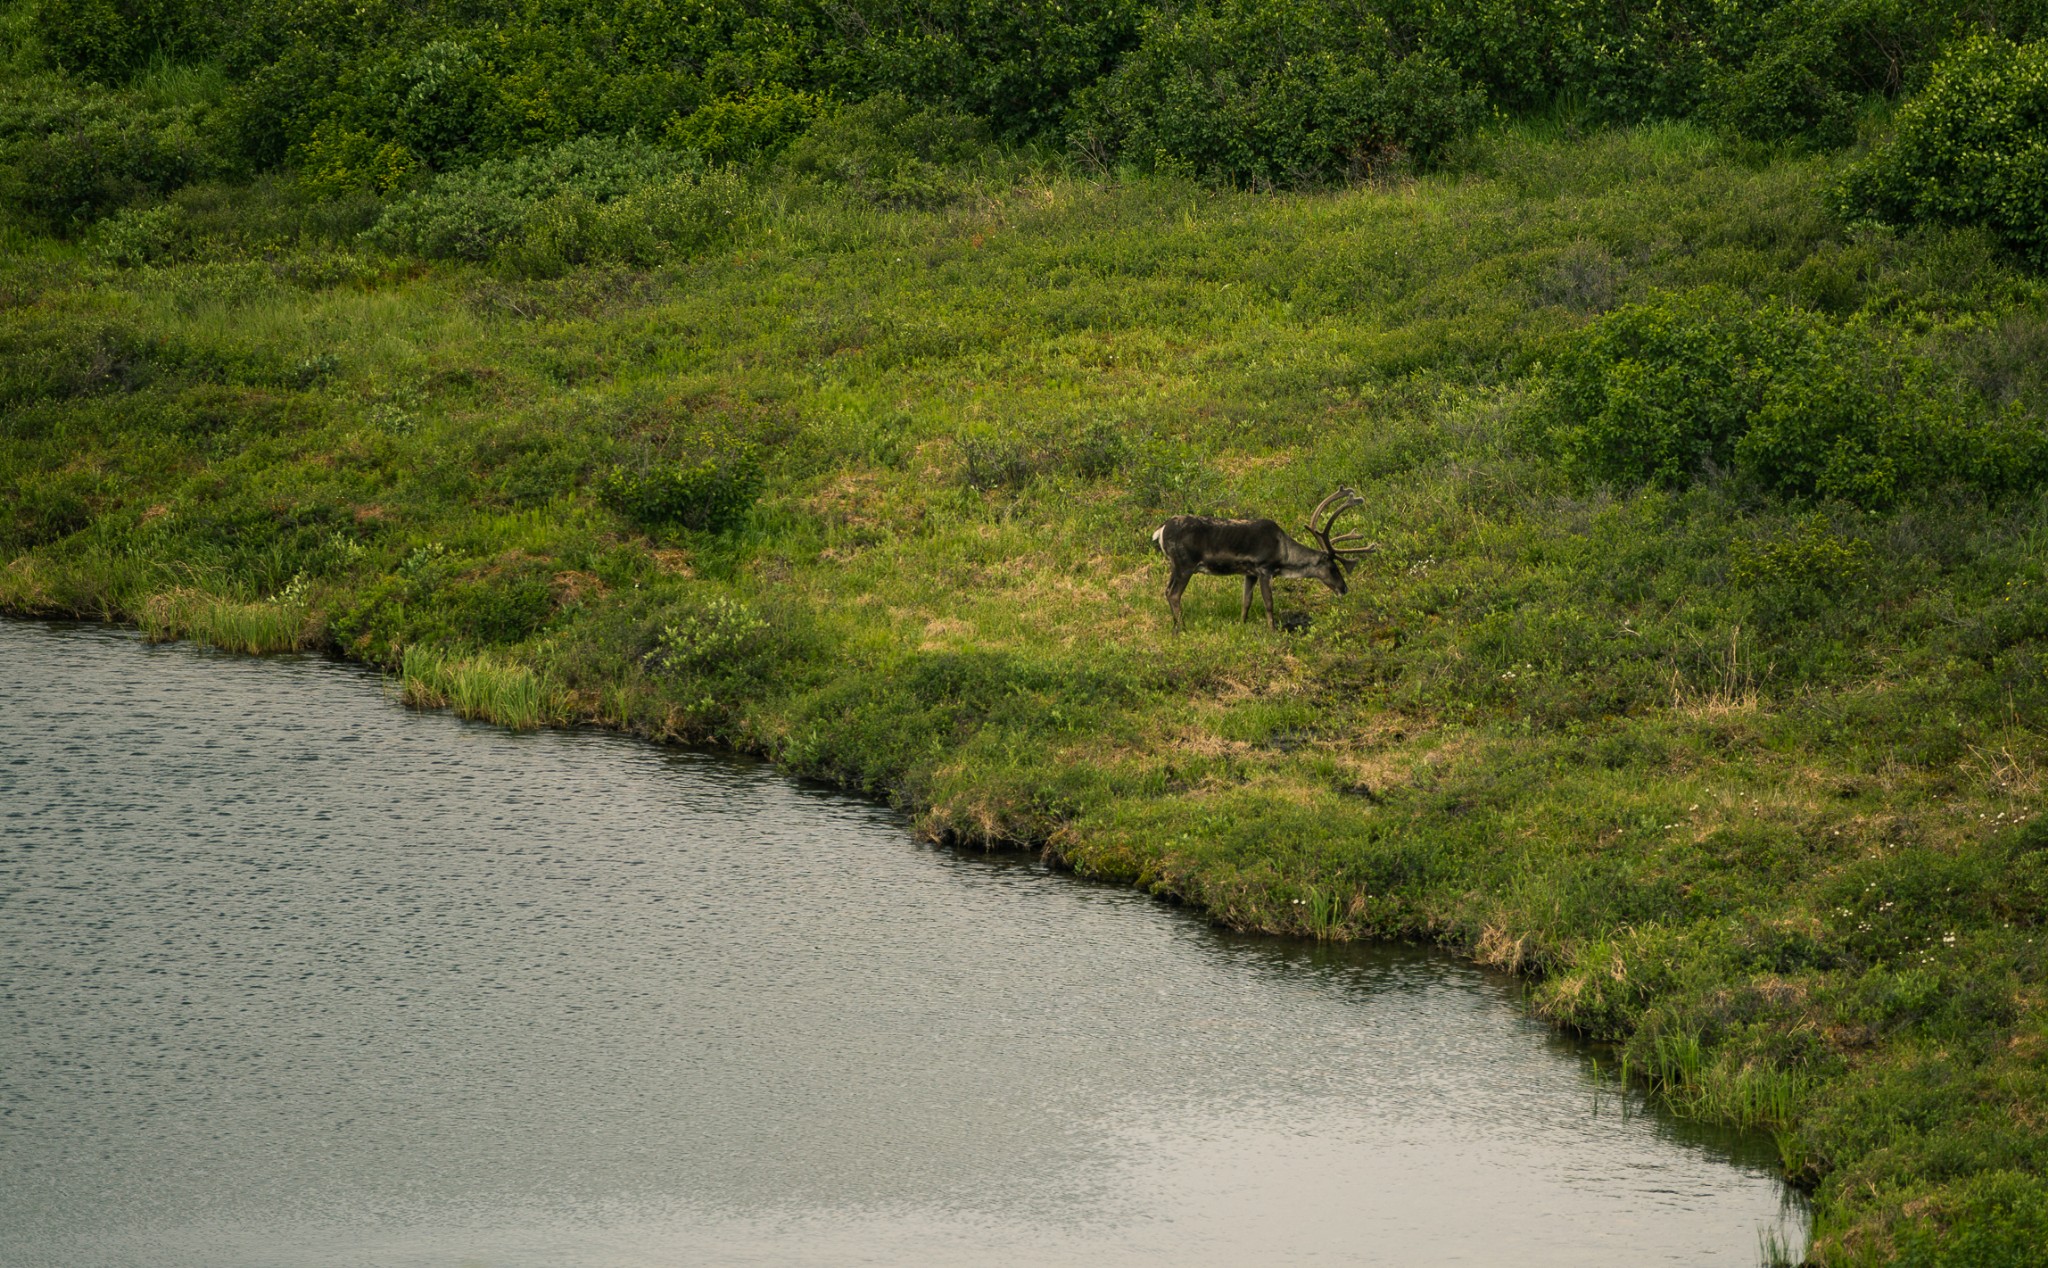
point(480, 687)
point(282, 624)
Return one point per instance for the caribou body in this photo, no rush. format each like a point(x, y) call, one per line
point(1258, 551)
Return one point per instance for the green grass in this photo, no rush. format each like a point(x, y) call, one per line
point(282, 624)
point(1765, 823)
point(478, 687)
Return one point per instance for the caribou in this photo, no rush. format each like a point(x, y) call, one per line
point(1258, 551)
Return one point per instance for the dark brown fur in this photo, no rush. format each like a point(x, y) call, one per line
point(1257, 550)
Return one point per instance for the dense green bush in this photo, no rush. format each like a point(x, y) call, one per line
point(583, 200)
point(755, 125)
point(709, 494)
point(1610, 61)
point(1800, 69)
point(367, 97)
point(889, 151)
point(1788, 87)
point(721, 635)
point(1016, 65)
point(1772, 70)
point(1272, 92)
point(1811, 559)
point(138, 235)
point(110, 38)
point(69, 157)
point(1972, 149)
point(499, 606)
point(1699, 381)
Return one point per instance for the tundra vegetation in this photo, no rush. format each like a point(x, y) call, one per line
point(809, 379)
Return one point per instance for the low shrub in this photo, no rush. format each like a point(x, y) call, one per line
point(68, 158)
point(47, 360)
point(678, 218)
point(1272, 93)
point(888, 151)
point(749, 126)
point(991, 460)
point(500, 606)
point(1703, 380)
point(587, 200)
point(1997, 1219)
point(1971, 149)
point(1011, 456)
point(1813, 557)
point(108, 39)
point(720, 636)
point(43, 507)
point(708, 494)
point(139, 235)
point(1896, 910)
point(469, 214)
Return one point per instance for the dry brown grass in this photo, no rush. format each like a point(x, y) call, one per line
point(24, 588)
point(1503, 950)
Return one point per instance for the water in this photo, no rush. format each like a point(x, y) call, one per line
point(290, 976)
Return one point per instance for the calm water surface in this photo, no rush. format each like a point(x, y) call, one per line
point(290, 976)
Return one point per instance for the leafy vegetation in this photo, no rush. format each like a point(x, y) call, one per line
point(710, 494)
point(131, 99)
point(1690, 384)
point(762, 377)
point(1273, 92)
point(1971, 150)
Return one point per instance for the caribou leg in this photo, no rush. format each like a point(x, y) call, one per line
point(1245, 612)
point(1266, 589)
point(1174, 585)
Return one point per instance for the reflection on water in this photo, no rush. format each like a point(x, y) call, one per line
point(289, 976)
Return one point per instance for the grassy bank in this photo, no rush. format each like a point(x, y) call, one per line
point(1743, 780)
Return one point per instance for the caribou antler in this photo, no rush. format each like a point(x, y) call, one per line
point(1316, 514)
point(1345, 498)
